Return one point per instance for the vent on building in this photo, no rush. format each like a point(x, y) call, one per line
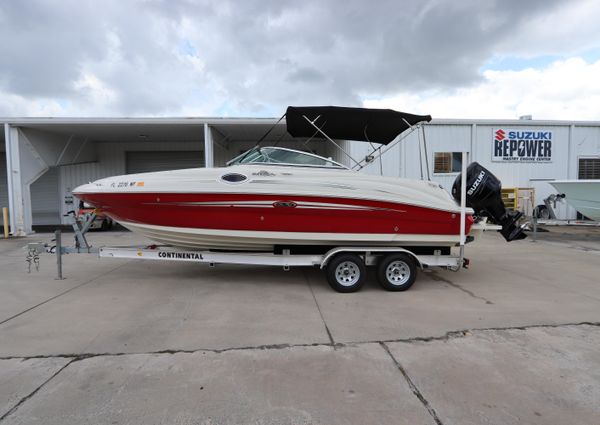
point(589, 168)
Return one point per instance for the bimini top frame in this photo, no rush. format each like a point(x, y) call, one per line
point(385, 127)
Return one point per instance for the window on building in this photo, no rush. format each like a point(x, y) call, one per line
point(447, 162)
point(589, 168)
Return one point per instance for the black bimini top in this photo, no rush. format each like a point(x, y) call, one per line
point(361, 124)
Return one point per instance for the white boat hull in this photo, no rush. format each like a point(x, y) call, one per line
point(265, 241)
point(583, 195)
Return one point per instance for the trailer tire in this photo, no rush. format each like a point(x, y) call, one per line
point(397, 272)
point(542, 212)
point(346, 273)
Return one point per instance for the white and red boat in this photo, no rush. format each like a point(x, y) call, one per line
point(273, 197)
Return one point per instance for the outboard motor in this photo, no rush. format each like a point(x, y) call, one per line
point(484, 196)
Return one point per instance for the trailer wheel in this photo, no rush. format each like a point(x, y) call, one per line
point(397, 272)
point(346, 273)
point(541, 211)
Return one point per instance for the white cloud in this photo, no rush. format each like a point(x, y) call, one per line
point(17, 105)
point(95, 91)
point(255, 57)
point(568, 90)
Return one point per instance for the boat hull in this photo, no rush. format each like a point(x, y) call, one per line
point(260, 222)
point(583, 195)
point(266, 241)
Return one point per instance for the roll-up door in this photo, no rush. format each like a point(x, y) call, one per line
point(45, 205)
point(142, 162)
point(3, 181)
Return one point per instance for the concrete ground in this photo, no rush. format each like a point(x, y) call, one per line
point(514, 339)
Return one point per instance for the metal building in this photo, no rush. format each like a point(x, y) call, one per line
point(524, 154)
point(43, 159)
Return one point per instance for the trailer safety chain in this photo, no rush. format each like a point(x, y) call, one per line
point(33, 256)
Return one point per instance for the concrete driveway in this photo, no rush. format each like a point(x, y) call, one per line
point(514, 339)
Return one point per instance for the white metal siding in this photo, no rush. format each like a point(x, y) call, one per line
point(143, 162)
point(448, 138)
point(3, 181)
point(525, 174)
point(390, 162)
point(225, 152)
point(111, 162)
point(45, 203)
point(569, 144)
point(585, 143)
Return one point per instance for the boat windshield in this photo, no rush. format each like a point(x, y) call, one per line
point(283, 156)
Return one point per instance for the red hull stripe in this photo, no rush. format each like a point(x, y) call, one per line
point(275, 213)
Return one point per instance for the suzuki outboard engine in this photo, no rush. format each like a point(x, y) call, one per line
point(484, 196)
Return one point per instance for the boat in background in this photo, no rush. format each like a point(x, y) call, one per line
point(273, 198)
point(583, 195)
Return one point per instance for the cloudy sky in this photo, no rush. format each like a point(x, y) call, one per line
point(447, 58)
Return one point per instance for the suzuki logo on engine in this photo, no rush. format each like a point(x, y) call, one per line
point(476, 184)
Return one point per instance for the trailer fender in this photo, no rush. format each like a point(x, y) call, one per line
point(368, 251)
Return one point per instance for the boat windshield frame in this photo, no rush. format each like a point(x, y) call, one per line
point(239, 160)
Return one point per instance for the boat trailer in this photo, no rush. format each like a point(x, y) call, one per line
point(345, 266)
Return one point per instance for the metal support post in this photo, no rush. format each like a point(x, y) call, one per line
point(209, 160)
point(58, 236)
point(463, 203)
point(5, 221)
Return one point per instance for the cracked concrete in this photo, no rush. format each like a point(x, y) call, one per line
point(535, 376)
point(435, 277)
point(412, 386)
point(135, 342)
point(353, 385)
point(19, 378)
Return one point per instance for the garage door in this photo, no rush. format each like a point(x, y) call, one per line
point(3, 181)
point(44, 199)
point(142, 162)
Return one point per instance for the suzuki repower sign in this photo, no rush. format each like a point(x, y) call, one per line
point(522, 146)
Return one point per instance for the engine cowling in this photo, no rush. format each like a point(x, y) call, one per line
point(484, 195)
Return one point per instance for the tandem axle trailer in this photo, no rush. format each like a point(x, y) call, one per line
point(345, 266)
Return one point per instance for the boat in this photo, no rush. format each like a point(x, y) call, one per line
point(583, 195)
point(273, 198)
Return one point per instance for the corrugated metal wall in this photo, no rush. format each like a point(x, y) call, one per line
point(569, 144)
point(585, 143)
point(44, 198)
point(143, 162)
point(223, 153)
point(111, 162)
